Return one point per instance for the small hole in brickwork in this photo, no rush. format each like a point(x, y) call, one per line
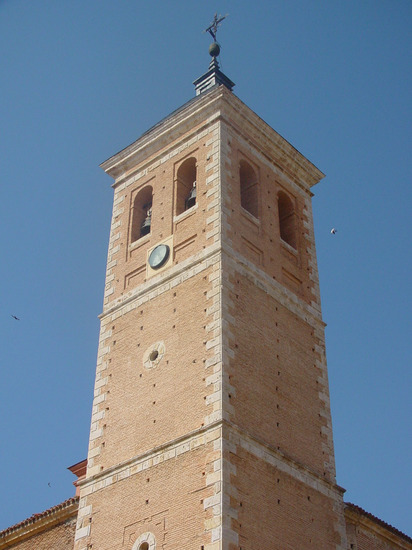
point(154, 402)
point(141, 375)
point(278, 480)
point(147, 501)
point(154, 421)
point(277, 424)
point(154, 385)
point(148, 479)
point(141, 328)
point(241, 504)
point(308, 498)
point(174, 293)
point(154, 355)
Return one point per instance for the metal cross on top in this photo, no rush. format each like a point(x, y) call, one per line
point(212, 29)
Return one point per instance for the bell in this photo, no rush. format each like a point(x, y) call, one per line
point(191, 199)
point(145, 227)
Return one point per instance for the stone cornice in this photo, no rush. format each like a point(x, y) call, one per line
point(357, 516)
point(38, 523)
point(218, 103)
point(212, 255)
point(231, 433)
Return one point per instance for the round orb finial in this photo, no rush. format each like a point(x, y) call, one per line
point(214, 49)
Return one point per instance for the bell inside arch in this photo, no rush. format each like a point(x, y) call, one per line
point(147, 222)
point(191, 198)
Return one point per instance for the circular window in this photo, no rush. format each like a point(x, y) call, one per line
point(153, 355)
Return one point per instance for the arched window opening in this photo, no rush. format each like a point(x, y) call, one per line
point(186, 186)
point(287, 223)
point(249, 189)
point(142, 213)
point(146, 541)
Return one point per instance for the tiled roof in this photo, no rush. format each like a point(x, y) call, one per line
point(362, 512)
point(36, 517)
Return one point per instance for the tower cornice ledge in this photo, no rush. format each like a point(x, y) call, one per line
point(219, 429)
point(218, 103)
point(200, 261)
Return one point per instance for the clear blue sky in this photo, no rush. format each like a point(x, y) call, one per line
point(79, 81)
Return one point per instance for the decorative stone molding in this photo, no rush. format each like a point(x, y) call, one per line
point(147, 538)
point(153, 355)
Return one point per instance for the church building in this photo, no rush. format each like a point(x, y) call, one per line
point(211, 424)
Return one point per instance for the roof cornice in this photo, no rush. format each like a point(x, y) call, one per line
point(217, 103)
point(37, 523)
point(358, 516)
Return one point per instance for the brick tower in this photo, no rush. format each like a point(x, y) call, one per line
point(211, 424)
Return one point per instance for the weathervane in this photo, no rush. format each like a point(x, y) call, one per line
point(214, 76)
point(212, 29)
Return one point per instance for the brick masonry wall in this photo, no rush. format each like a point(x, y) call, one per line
point(59, 537)
point(234, 307)
point(276, 510)
point(173, 492)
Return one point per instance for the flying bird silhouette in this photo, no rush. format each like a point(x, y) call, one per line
point(333, 231)
point(14, 317)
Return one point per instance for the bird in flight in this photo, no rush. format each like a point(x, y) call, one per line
point(333, 231)
point(14, 317)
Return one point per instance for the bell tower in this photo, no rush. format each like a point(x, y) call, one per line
point(211, 424)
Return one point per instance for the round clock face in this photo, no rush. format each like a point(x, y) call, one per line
point(159, 256)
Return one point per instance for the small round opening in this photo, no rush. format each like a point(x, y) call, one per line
point(144, 546)
point(153, 356)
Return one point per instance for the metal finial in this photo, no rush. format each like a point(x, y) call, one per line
point(212, 29)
